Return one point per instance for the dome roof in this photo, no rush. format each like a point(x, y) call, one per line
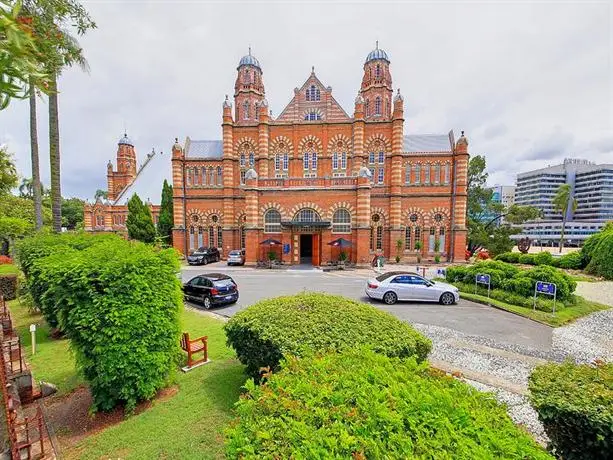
point(125, 140)
point(377, 54)
point(249, 60)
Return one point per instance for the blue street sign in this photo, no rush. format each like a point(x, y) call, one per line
point(485, 279)
point(441, 271)
point(286, 248)
point(545, 288)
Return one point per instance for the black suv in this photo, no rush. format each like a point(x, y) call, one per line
point(211, 289)
point(203, 256)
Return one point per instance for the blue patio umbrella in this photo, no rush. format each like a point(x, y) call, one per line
point(341, 243)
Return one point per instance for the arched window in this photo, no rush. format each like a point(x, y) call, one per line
point(243, 172)
point(407, 174)
point(377, 105)
point(417, 237)
point(285, 161)
point(341, 221)
point(306, 160)
point(243, 161)
point(247, 77)
point(211, 176)
point(196, 176)
point(367, 107)
point(219, 176)
point(371, 158)
point(441, 239)
point(418, 174)
point(313, 93)
point(192, 239)
point(335, 160)
point(312, 115)
point(447, 167)
point(272, 221)
point(219, 237)
point(376, 233)
point(437, 173)
point(381, 157)
point(407, 238)
point(241, 236)
point(427, 174)
point(251, 159)
point(431, 239)
point(307, 215)
point(344, 160)
point(189, 175)
point(246, 110)
point(277, 162)
point(380, 175)
point(212, 236)
point(378, 71)
point(314, 161)
point(200, 237)
point(204, 178)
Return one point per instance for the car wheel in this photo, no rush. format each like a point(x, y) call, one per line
point(390, 298)
point(447, 298)
point(205, 261)
point(206, 301)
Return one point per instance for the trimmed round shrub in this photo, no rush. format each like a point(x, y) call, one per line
point(543, 258)
point(523, 283)
point(526, 259)
point(360, 404)
point(300, 324)
point(575, 405)
point(509, 257)
point(601, 262)
point(589, 247)
point(497, 270)
point(572, 260)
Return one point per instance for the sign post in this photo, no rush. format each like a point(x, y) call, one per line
point(546, 288)
point(483, 278)
point(33, 332)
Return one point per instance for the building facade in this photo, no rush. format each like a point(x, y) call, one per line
point(591, 186)
point(292, 184)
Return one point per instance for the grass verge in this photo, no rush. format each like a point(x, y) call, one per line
point(563, 316)
point(8, 269)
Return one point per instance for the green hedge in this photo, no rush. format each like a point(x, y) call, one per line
point(359, 404)
point(601, 261)
point(510, 257)
point(512, 279)
point(118, 302)
point(575, 405)
point(573, 260)
point(265, 332)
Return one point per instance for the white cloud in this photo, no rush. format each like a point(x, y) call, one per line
point(530, 84)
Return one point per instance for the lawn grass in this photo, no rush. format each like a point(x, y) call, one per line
point(8, 269)
point(187, 425)
point(563, 316)
point(53, 361)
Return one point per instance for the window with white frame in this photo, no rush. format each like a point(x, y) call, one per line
point(203, 173)
point(447, 168)
point(427, 174)
point(312, 115)
point(307, 215)
point(437, 173)
point(243, 162)
point(377, 105)
point(285, 161)
point(381, 157)
point(219, 176)
point(372, 173)
point(272, 221)
point(380, 175)
point(418, 174)
point(371, 158)
point(251, 159)
point(344, 160)
point(378, 71)
point(335, 160)
point(277, 162)
point(196, 176)
point(341, 221)
point(243, 176)
point(407, 174)
point(246, 110)
point(306, 160)
point(407, 238)
point(212, 176)
point(376, 232)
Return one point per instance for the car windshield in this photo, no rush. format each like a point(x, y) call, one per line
point(387, 275)
point(199, 251)
point(235, 253)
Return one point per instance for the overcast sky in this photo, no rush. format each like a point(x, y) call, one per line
point(530, 84)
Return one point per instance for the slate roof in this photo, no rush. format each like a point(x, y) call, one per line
point(203, 149)
point(426, 143)
point(149, 179)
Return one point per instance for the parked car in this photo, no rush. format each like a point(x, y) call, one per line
point(203, 256)
point(393, 286)
point(211, 289)
point(236, 257)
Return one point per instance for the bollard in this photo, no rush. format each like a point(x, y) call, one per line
point(33, 332)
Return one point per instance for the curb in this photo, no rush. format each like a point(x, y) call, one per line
point(482, 302)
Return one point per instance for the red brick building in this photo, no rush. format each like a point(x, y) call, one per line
point(315, 174)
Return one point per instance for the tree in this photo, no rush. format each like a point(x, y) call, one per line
point(50, 20)
point(562, 202)
point(8, 172)
point(72, 213)
point(139, 222)
point(103, 194)
point(23, 208)
point(12, 228)
point(166, 220)
point(21, 66)
point(484, 214)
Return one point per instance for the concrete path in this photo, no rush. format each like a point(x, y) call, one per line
point(601, 291)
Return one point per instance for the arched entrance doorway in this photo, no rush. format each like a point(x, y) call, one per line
point(306, 227)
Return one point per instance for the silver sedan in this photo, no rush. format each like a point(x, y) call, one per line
point(393, 286)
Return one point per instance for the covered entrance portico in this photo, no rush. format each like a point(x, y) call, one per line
point(305, 234)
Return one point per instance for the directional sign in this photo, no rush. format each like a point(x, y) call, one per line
point(441, 271)
point(485, 279)
point(545, 288)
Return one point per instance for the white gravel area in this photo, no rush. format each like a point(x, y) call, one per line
point(587, 338)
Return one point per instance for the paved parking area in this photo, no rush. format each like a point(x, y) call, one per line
point(466, 317)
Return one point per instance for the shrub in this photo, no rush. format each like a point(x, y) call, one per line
point(497, 270)
point(523, 283)
point(589, 247)
point(510, 257)
point(265, 332)
point(572, 260)
point(575, 405)
point(601, 262)
point(483, 255)
point(8, 286)
point(527, 259)
point(360, 404)
point(5, 260)
point(118, 303)
point(543, 258)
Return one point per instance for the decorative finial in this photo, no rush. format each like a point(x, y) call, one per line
point(271, 114)
point(226, 97)
point(176, 139)
point(462, 133)
point(312, 69)
point(249, 50)
point(377, 44)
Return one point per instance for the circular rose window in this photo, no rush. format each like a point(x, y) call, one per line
point(438, 217)
point(413, 218)
point(195, 218)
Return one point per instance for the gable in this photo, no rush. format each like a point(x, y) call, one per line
point(313, 99)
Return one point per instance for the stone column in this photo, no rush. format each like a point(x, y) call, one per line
point(363, 220)
point(461, 181)
point(252, 224)
point(178, 230)
point(396, 175)
point(263, 143)
point(357, 159)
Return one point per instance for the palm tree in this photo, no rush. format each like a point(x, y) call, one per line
point(562, 202)
point(35, 183)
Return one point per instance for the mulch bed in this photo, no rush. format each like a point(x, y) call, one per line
point(71, 420)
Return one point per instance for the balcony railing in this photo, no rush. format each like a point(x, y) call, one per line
point(322, 182)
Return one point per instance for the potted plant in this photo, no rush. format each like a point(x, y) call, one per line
point(437, 248)
point(272, 256)
point(342, 257)
point(418, 249)
point(399, 246)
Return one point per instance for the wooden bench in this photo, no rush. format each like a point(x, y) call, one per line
point(193, 347)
